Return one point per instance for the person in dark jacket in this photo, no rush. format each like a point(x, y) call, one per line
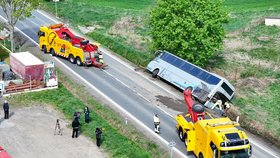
point(98, 133)
point(86, 111)
point(77, 115)
point(6, 109)
point(75, 125)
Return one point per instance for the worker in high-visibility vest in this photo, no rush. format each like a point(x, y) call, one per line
point(156, 123)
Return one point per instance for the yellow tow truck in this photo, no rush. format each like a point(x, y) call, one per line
point(209, 137)
point(60, 41)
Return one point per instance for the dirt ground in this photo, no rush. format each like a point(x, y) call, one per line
point(30, 133)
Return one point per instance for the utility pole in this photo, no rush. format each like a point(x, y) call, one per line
point(55, 1)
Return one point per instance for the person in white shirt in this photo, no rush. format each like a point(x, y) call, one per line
point(156, 123)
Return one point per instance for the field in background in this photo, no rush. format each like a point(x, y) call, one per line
point(250, 58)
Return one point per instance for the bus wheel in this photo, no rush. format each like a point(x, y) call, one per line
point(71, 59)
point(52, 52)
point(200, 155)
point(155, 73)
point(79, 61)
point(181, 135)
point(44, 49)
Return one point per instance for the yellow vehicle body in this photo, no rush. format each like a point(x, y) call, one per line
point(50, 42)
point(213, 137)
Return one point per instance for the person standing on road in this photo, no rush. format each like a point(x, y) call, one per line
point(86, 111)
point(6, 109)
point(75, 125)
point(98, 133)
point(156, 123)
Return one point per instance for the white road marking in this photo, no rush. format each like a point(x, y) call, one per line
point(109, 99)
point(33, 22)
point(127, 86)
point(165, 112)
point(116, 79)
point(144, 98)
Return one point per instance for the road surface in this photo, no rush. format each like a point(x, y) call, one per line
point(137, 95)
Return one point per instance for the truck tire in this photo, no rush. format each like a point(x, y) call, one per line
point(79, 61)
point(155, 73)
point(71, 59)
point(44, 49)
point(200, 155)
point(197, 107)
point(186, 139)
point(52, 52)
point(181, 134)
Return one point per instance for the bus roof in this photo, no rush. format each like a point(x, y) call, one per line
point(192, 69)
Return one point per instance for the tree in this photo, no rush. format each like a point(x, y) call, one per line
point(190, 29)
point(15, 10)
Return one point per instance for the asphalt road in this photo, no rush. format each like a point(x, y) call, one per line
point(135, 96)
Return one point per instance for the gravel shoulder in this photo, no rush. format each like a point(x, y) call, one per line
point(30, 133)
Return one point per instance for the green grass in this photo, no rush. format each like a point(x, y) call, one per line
point(4, 55)
point(244, 11)
point(258, 72)
point(252, 5)
point(114, 142)
point(267, 37)
point(264, 109)
point(135, 56)
point(100, 12)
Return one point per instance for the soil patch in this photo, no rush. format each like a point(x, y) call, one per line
point(178, 105)
point(87, 29)
point(126, 28)
point(254, 83)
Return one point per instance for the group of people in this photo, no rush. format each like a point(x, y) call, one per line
point(76, 126)
point(76, 123)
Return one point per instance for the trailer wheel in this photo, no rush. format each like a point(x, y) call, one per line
point(181, 135)
point(155, 73)
point(44, 49)
point(79, 61)
point(71, 59)
point(200, 155)
point(53, 52)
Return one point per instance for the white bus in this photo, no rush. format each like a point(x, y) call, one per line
point(207, 87)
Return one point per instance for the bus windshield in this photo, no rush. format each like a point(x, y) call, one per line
point(243, 153)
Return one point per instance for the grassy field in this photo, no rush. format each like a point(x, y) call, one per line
point(250, 58)
point(255, 55)
point(242, 12)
